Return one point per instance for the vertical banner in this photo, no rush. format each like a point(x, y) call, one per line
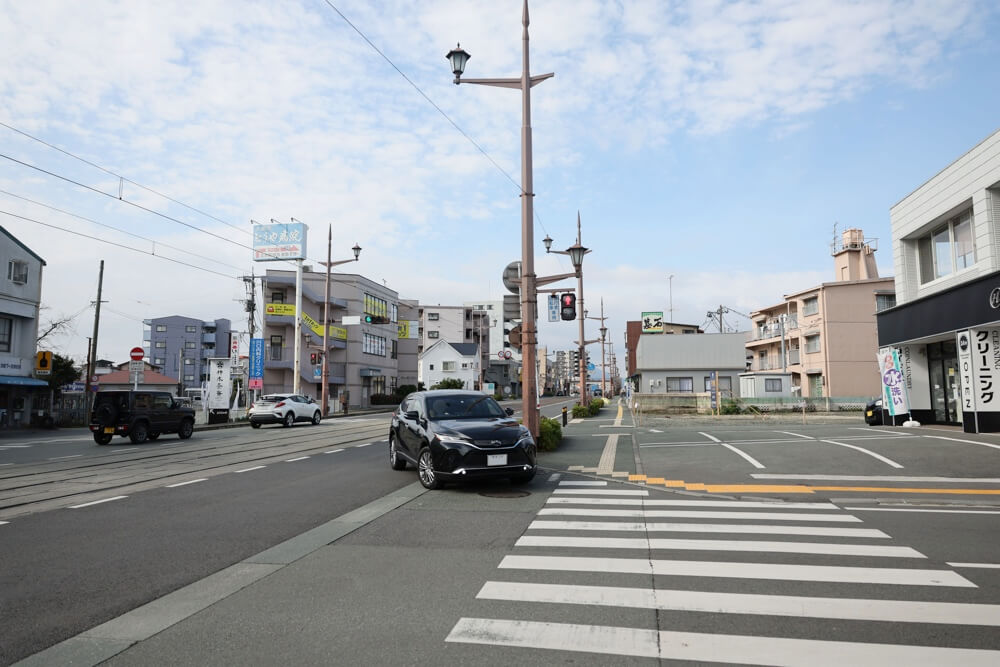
point(893, 382)
point(219, 384)
point(986, 368)
point(554, 309)
point(256, 380)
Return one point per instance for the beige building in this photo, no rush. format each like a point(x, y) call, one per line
point(822, 341)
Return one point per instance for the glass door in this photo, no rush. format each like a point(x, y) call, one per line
point(942, 361)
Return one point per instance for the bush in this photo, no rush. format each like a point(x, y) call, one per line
point(579, 411)
point(449, 383)
point(594, 408)
point(384, 399)
point(730, 407)
point(405, 390)
point(549, 434)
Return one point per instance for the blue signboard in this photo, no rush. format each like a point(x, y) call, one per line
point(256, 363)
point(279, 241)
point(591, 367)
point(553, 308)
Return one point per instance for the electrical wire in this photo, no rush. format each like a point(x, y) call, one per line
point(123, 231)
point(117, 245)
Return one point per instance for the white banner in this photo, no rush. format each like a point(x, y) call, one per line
point(918, 388)
point(893, 382)
point(985, 352)
point(219, 383)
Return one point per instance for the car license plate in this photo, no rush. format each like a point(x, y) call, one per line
point(496, 459)
point(869, 413)
point(109, 429)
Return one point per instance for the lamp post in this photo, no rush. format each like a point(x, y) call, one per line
point(325, 392)
point(458, 59)
point(604, 331)
point(671, 281)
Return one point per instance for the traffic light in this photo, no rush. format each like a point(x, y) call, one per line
point(313, 358)
point(376, 319)
point(568, 303)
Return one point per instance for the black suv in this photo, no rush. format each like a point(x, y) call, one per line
point(141, 415)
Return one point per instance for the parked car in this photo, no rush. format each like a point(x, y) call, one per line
point(284, 409)
point(873, 412)
point(452, 435)
point(140, 415)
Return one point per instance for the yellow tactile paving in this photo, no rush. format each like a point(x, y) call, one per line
point(675, 484)
point(637, 478)
point(756, 488)
point(655, 480)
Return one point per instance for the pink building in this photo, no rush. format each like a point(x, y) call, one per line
point(822, 341)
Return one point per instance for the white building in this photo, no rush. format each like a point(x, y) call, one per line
point(444, 360)
point(946, 253)
point(684, 364)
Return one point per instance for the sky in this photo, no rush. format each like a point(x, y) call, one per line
point(721, 143)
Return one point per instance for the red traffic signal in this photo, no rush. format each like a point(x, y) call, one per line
point(568, 303)
point(313, 358)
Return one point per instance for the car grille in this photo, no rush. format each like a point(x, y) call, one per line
point(492, 443)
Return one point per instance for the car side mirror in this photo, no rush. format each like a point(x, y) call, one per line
point(412, 414)
point(509, 411)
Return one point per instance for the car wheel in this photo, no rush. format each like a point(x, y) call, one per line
point(523, 478)
point(289, 418)
point(102, 438)
point(395, 460)
point(317, 418)
point(425, 470)
point(153, 435)
point(186, 429)
point(254, 425)
point(139, 433)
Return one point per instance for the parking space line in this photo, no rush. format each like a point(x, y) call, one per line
point(969, 442)
point(865, 451)
point(797, 435)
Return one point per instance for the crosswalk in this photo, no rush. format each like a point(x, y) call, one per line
point(600, 572)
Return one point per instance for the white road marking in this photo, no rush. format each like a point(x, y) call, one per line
point(301, 458)
point(758, 529)
point(71, 456)
point(581, 483)
point(719, 545)
point(606, 492)
point(693, 647)
point(882, 478)
point(554, 477)
point(710, 437)
point(684, 444)
point(740, 570)
point(249, 469)
point(754, 462)
point(969, 442)
point(360, 446)
point(919, 509)
point(654, 430)
point(119, 451)
point(4, 523)
point(96, 502)
point(699, 514)
point(190, 481)
point(865, 451)
point(333, 451)
point(797, 435)
point(658, 502)
point(985, 566)
point(14, 446)
point(893, 611)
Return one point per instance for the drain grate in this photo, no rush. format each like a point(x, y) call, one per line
point(505, 494)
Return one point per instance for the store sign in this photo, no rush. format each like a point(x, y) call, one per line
point(279, 241)
point(256, 378)
point(219, 383)
point(985, 350)
point(407, 329)
point(963, 341)
point(286, 309)
point(893, 382)
point(652, 322)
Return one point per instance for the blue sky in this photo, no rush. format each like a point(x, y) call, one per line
point(718, 142)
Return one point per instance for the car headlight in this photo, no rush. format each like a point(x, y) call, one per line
point(452, 441)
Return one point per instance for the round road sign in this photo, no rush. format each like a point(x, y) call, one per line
point(137, 353)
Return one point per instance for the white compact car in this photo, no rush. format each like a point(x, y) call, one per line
point(284, 409)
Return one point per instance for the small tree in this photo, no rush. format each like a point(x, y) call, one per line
point(449, 383)
point(63, 372)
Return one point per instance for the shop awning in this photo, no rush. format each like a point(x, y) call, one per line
point(23, 381)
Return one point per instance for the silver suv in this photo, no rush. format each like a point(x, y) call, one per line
point(284, 409)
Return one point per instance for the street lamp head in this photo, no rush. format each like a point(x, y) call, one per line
point(357, 251)
point(458, 57)
point(604, 330)
point(576, 253)
point(548, 243)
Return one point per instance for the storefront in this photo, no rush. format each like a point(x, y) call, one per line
point(949, 346)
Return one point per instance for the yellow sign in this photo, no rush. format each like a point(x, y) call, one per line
point(317, 328)
point(43, 362)
point(280, 309)
point(403, 329)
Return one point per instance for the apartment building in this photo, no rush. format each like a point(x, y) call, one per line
point(821, 341)
point(946, 322)
point(180, 347)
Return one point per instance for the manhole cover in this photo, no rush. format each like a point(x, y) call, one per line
point(505, 494)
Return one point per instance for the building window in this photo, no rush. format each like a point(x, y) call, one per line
point(812, 343)
point(448, 365)
point(810, 306)
point(6, 328)
point(772, 384)
point(161, 344)
point(158, 361)
point(762, 360)
point(680, 385)
point(815, 385)
point(884, 301)
point(372, 344)
point(433, 317)
point(189, 378)
point(190, 344)
point(277, 342)
point(392, 349)
point(378, 307)
point(190, 328)
point(160, 328)
point(725, 383)
point(17, 272)
point(431, 367)
point(189, 362)
point(947, 249)
point(433, 334)
point(277, 297)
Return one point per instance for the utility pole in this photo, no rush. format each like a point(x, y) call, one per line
point(250, 305)
point(92, 351)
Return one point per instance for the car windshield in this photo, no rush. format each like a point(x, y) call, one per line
point(464, 406)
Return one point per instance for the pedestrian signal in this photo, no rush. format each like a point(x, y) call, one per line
point(568, 306)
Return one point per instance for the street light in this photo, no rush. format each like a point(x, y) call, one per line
point(325, 392)
point(671, 279)
point(458, 58)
